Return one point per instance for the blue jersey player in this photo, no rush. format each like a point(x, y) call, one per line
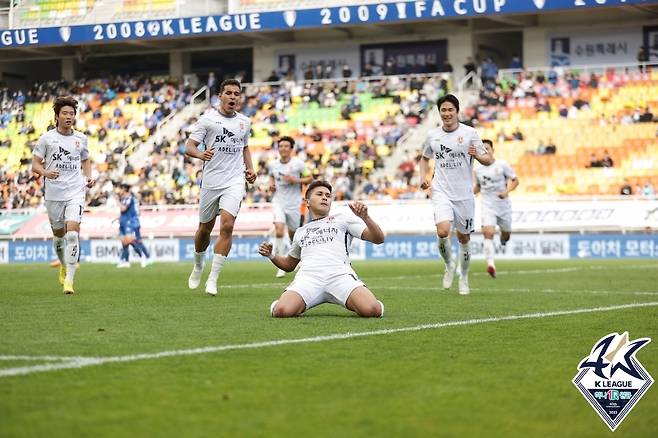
point(129, 229)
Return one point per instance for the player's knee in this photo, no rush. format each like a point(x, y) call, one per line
point(464, 238)
point(372, 310)
point(226, 228)
point(284, 311)
point(71, 237)
point(443, 233)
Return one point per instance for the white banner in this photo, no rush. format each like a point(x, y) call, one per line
point(417, 217)
point(594, 47)
point(525, 246)
point(109, 250)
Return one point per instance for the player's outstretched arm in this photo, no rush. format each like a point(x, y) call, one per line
point(373, 233)
point(286, 263)
point(249, 173)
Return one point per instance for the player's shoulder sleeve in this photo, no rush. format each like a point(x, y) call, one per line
point(200, 129)
point(41, 148)
point(475, 139)
point(247, 128)
point(427, 144)
point(507, 170)
point(301, 168)
point(355, 225)
point(295, 248)
point(84, 146)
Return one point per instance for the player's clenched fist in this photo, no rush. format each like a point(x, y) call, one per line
point(265, 249)
point(207, 154)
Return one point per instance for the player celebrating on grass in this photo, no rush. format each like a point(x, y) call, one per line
point(288, 174)
point(59, 156)
point(227, 163)
point(453, 147)
point(326, 274)
point(495, 181)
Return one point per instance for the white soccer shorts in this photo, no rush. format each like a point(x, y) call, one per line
point(334, 289)
point(460, 213)
point(211, 202)
point(497, 216)
point(60, 212)
point(290, 216)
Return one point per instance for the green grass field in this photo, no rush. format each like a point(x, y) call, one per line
point(509, 377)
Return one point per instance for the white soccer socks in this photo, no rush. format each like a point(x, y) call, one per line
point(197, 270)
point(488, 249)
point(217, 264)
point(71, 253)
point(59, 244)
point(445, 249)
point(465, 261)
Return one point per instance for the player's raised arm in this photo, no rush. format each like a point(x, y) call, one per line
point(286, 263)
point(373, 233)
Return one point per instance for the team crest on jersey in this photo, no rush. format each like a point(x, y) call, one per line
point(612, 379)
point(77, 145)
point(460, 139)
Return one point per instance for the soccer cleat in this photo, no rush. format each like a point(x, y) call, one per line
point(195, 278)
point(280, 273)
point(449, 275)
point(123, 264)
point(68, 287)
point(62, 274)
point(463, 286)
point(211, 287)
point(491, 269)
point(272, 306)
point(146, 261)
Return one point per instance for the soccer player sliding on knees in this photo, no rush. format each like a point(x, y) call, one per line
point(326, 274)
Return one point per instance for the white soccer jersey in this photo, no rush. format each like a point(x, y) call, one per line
point(322, 245)
point(453, 165)
point(493, 180)
point(228, 136)
point(64, 153)
point(287, 194)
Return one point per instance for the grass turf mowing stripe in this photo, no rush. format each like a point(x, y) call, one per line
point(82, 362)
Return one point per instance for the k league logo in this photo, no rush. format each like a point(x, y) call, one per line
point(290, 17)
point(65, 33)
point(539, 3)
point(612, 379)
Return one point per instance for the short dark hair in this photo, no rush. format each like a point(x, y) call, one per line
point(125, 187)
point(62, 101)
point(315, 184)
point(226, 82)
point(448, 98)
point(489, 142)
point(288, 139)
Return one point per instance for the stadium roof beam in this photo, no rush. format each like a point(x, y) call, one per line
point(34, 51)
point(517, 21)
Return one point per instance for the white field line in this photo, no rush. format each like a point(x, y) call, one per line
point(82, 362)
point(528, 290)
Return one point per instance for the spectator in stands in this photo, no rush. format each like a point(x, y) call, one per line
point(347, 71)
point(642, 58)
point(607, 161)
point(648, 190)
point(516, 63)
point(626, 189)
point(469, 67)
point(446, 67)
point(646, 117)
point(551, 149)
point(594, 161)
point(273, 77)
point(517, 134)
